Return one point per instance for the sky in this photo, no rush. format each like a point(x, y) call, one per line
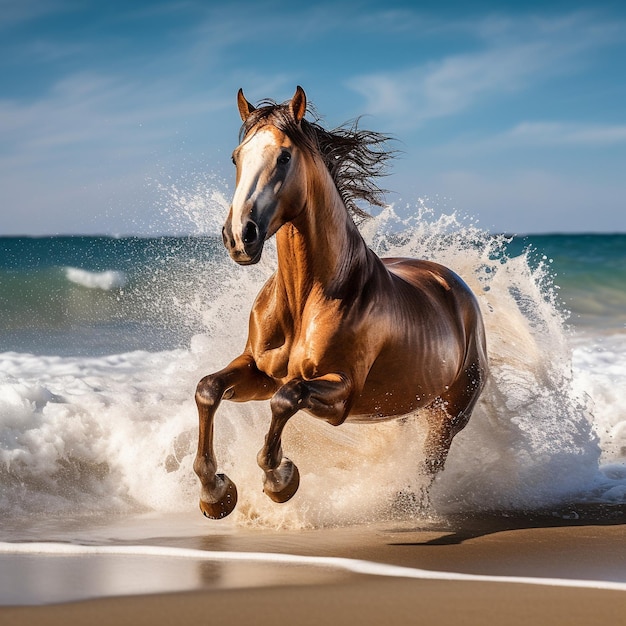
point(120, 117)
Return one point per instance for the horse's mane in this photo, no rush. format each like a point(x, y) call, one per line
point(354, 157)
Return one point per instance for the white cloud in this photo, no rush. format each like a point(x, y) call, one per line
point(515, 56)
point(87, 138)
point(539, 135)
point(13, 12)
point(98, 113)
point(89, 144)
point(451, 85)
point(562, 134)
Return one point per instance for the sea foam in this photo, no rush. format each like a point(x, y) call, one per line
point(107, 280)
point(118, 433)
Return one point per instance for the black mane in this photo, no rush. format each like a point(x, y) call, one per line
point(353, 156)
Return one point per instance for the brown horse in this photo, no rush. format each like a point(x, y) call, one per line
point(336, 331)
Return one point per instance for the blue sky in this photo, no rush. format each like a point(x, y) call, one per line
point(511, 113)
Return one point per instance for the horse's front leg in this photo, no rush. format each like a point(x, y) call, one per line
point(327, 397)
point(240, 381)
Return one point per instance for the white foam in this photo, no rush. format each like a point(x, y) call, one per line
point(355, 566)
point(107, 280)
point(599, 366)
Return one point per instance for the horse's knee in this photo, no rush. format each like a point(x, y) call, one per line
point(209, 391)
point(289, 399)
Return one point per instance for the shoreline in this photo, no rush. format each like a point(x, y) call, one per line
point(538, 545)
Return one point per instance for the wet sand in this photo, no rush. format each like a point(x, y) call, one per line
point(584, 545)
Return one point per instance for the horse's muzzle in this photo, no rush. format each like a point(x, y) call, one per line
point(251, 247)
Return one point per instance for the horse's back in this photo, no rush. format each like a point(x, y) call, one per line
point(430, 279)
point(448, 294)
point(421, 274)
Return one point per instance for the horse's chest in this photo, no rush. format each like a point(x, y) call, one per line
point(296, 348)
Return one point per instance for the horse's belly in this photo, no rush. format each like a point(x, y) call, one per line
point(393, 389)
point(390, 399)
point(387, 404)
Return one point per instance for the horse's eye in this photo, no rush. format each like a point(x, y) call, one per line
point(284, 158)
point(232, 158)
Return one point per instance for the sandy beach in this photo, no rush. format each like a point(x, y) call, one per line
point(581, 545)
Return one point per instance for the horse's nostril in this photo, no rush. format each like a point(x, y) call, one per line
point(250, 233)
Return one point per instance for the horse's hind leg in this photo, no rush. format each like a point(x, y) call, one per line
point(449, 415)
point(442, 427)
point(239, 381)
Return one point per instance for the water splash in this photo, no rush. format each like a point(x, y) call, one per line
point(118, 433)
point(530, 442)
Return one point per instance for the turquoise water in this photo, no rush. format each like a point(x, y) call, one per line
point(589, 269)
point(93, 295)
point(118, 296)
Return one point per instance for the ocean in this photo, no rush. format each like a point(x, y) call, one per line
point(103, 339)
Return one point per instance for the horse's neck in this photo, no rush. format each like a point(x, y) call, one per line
point(322, 249)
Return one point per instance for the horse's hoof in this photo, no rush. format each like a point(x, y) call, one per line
point(225, 505)
point(289, 478)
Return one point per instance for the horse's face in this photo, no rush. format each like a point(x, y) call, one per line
point(270, 189)
point(267, 193)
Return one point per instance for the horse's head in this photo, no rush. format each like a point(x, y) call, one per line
point(269, 191)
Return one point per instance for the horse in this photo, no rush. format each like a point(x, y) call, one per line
point(336, 331)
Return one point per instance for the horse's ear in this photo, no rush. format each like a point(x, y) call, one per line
point(297, 106)
point(245, 108)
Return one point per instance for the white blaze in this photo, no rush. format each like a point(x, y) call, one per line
point(252, 188)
